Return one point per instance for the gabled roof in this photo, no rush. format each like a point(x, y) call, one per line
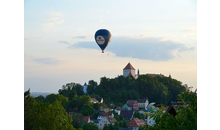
point(95, 100)
point(171, 110)
point(126, 113)
point(111, 119)
point(99, 99)
point(130, 102)
point(118, 108)
point(136, 123)
point(129, 66)
point(141, 100)
point(105, 114)
point(86, 118)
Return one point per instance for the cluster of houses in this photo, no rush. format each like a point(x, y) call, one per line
point(106, 116)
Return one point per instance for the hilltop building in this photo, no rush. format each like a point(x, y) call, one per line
point(129, 70)
point(85, 88)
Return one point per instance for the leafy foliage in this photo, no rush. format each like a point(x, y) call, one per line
point(44, 115)
point(90, 126)
point(158, 89)
point(186, 118)
point(28, 110)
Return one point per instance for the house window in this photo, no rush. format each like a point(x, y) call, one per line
point(128, 123)
point(131, 123)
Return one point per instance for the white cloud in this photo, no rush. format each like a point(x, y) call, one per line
point(53, 22)
point(148, 48)
point(100, 20)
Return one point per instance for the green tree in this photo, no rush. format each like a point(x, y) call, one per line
point(186, 118)
point(87, 110)
point(138, 115)
point(64, 101)
point(90, 126)
point(77, 121)
point(85, 99)
point(28, 110)
point(40, 98)
point(51, 116)
point(74, 102)
point(51, 98)
point(91, 87)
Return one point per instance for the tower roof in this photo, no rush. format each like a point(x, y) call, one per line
point(129, 66)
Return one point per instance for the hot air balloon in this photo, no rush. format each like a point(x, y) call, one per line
point(102, 38)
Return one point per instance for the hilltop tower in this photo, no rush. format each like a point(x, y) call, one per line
point(129, 70)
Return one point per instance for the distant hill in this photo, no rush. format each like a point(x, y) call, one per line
point(35, 94)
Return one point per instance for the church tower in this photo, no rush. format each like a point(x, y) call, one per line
point(129, 70)
point(85, 88)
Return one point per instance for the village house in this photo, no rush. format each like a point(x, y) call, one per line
point(126, 107)
point(118, 110)
point(86, 119)
point(96, 100)
point(136, 123)
point(127, 115)
point(102, 115)
point(143, 103)
point(106, 121)
point(105, 108)
point(93, 101)
point(95, 121)
point(131, 105)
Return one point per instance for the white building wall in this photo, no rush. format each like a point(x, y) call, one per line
point(146, 104)
point(133, 72)
point(102, 123)
point(85, 89)
point(127, 71)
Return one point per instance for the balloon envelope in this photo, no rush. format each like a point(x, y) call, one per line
point(102, 38)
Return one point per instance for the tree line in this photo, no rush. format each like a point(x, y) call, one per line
point(118, 90)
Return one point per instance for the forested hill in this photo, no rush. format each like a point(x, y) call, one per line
point(118, 90)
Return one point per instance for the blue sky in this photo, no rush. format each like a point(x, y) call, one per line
point(155, 36)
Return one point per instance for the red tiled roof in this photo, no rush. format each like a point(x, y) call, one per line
point(136, 123)
point(129, 66)
point(130, 102)
point(105, 114)
point(86, 118)
point(111, 119)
